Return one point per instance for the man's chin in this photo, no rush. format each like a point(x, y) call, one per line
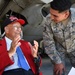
point(56, 21)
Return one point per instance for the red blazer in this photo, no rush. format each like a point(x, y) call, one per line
point(6, 61)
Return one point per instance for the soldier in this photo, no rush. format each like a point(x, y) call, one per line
point(59, 35)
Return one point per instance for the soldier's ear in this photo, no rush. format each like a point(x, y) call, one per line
point(67, 13)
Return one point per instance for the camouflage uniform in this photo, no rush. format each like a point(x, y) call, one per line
point(59, 39)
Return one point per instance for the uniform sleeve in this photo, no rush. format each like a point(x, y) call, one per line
point(49, 43)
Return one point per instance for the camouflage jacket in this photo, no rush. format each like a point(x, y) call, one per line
point(59, 39)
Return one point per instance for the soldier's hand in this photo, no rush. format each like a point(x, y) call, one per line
point(59, 69)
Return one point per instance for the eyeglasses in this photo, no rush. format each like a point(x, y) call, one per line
point(17, 28)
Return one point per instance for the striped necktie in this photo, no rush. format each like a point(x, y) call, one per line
point(21, 60)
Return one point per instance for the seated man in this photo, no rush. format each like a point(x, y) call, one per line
point(17, 57)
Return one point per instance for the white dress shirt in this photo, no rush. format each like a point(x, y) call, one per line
point(14, 57)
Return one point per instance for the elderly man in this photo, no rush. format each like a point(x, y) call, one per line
point(17, 57)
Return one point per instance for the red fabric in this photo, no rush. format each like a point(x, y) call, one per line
point(5, 60)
